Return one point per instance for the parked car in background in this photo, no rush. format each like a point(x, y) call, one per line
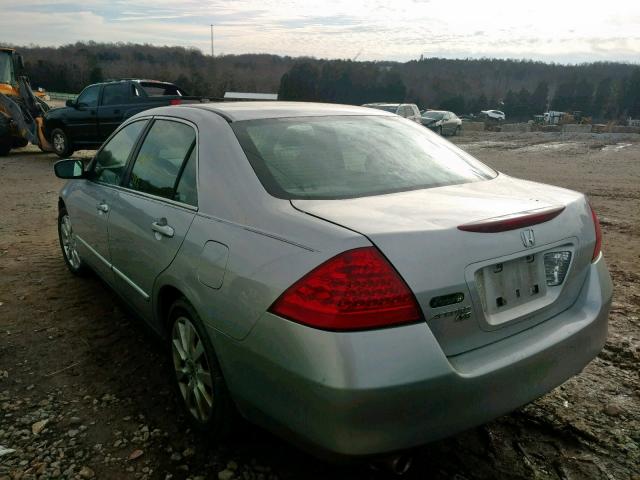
point(442, 122)
point(337, 273)
point(406, 110)
point(100, 108)
point(494, 114)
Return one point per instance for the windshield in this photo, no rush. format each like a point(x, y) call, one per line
point(6, 68)
point(386, 108)
point(351, 156)
point(433, 115)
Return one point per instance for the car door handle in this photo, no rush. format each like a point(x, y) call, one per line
point(102, 207)
point(162, 228)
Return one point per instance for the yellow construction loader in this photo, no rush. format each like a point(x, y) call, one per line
point(21, 110)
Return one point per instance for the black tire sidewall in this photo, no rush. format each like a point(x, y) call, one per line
point(68, 150)
point(221, 421)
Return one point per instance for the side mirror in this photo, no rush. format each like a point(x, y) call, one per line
point(71, 103)
point(69, 169)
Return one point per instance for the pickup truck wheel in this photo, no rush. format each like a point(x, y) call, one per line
point(61, 144)
point(456, 132)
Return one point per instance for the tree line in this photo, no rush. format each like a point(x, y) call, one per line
point(604, 90)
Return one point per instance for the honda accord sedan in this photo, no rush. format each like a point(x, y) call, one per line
point(340, 275)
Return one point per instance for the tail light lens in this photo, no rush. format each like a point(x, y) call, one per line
point(556, 266)
point(175, 102)
point(355, 290)
point(596, 224)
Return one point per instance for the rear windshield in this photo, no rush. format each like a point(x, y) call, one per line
point(161, 89)
point(352, 156)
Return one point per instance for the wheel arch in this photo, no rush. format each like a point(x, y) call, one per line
point(167, 295)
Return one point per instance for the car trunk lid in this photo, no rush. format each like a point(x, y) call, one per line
point(473, 286)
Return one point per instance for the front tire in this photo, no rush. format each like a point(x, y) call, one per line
point(68, 244)
point(61, 143)
point(198, 379)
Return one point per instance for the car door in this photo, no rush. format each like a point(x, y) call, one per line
point(115, 101)
point(90, 205)
point(153, 210)
point(82, 120)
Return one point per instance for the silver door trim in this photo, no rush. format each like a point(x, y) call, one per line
point(92, 250)
point(130, 282)
point(110, 266)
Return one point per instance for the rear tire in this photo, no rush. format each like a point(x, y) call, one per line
point(5, 136)
point(197, 376)
point(61, 143)
point(440, 131)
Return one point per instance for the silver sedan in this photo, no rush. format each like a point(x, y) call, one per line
point(340, 275)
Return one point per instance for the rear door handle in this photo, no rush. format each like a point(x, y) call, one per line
point(102, 207)
point(162, 228)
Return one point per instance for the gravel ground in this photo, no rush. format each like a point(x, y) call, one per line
point(85, 392)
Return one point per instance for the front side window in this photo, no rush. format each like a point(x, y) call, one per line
point(351, 156)
point(111, 161)
point(160, 160)
point(89, 96)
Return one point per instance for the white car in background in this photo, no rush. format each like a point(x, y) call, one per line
point(406, 110)
point(495, 114)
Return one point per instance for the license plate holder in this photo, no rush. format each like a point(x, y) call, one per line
point(508, 285)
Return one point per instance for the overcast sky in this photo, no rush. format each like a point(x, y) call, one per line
point(566, 31)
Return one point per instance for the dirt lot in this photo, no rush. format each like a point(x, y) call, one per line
point(84, 389)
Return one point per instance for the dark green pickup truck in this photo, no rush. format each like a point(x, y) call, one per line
point(100, 108)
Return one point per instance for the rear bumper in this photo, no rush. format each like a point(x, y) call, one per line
point(374, 392)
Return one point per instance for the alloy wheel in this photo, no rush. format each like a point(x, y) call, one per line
point(59, 142)
point(192, 368)
point(69, 242)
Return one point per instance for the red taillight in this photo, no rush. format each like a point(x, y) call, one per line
point(175, 102)
point(512, 221)
point(596, 225)
point(355, 290)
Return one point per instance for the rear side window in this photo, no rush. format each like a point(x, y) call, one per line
point(115, 94)
point(111, 161)
point(187, 191)
point(154, 89)
point(351, 156)
point(159, 163)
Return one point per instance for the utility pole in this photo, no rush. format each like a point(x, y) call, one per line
point(211, 40)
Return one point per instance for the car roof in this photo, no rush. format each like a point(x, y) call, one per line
point(239, 111)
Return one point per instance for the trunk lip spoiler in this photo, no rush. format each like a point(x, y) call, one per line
point(513, 221)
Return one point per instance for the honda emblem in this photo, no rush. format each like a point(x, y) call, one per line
point(528, 238)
